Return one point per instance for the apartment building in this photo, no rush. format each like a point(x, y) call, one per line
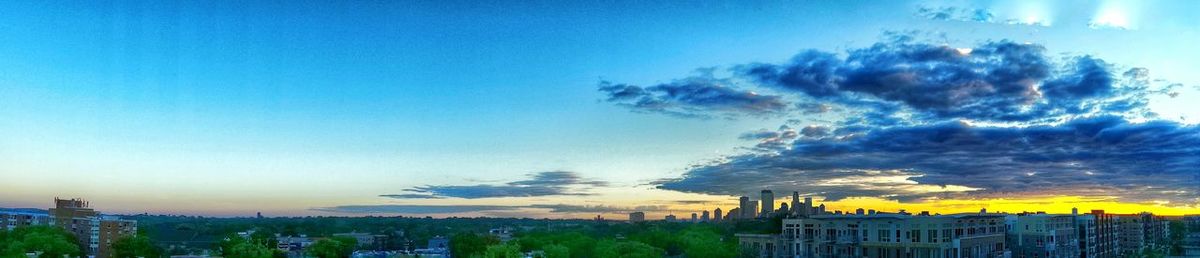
point(1042, 235)
point(973, 235)
point(94, 231)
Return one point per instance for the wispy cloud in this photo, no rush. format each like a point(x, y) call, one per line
point(414, 209)
point(693, 97)
point(550, 183)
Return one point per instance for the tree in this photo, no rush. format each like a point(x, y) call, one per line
point(135, 246)
point(49, 241)
point(237, 247)
point(466, 244)
point(699, 242)
point(627, 249)
point(336, 247)
point(248, 250)
point(502, 251)
point(556, 251)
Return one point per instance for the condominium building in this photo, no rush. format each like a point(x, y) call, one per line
point(1131, 234)
point(11, 219)
point(1107, 244)
point(94, 232)
point(895, 236)
point(1042, 236)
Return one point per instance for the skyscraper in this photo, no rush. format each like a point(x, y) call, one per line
point(704, 216)
point(768, 202)
point(746, 208)
point(694, 218)
point(808, 208)
point(717, 215)
point(795, 203)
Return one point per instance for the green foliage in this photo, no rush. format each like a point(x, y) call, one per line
point(501, 251)
point(237, 247)
point(556, 251)
point(335, 247)
point(627, 249)
point(705, 242)
point(135, 246)
point(49, 241)
point(467, 244)
point(248, 250)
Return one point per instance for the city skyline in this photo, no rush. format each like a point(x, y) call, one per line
point(569, 110)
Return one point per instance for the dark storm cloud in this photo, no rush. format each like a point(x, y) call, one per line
point(1089, 156)
point(415, 209)
point(696, 97)
point(996, 81)
point(1042, 125)
point(541, 184)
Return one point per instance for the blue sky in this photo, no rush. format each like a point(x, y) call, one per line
point(297, 108)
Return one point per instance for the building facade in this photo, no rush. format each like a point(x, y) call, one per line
point(895, 236)
point(94, 232)
point(767, 202)
point(637, 216)
point(12, 219)
point(1042, 236)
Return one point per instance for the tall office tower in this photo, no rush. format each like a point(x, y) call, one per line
point(752, 211)
point(808, 207)
point(717, 215)
point(694, 218)
point(795, 203)
point(768, 203)
point(704, 216)
point(821, 209)
point(859, 211)
point(783, 208)
point(746, 212)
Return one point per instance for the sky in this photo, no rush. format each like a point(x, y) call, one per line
point(573, 109)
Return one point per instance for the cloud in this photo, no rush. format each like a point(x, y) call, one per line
point(1101, 156)
point(771, 140)
point(925, 121)
point(552, 183)
point(569, 208)
point(693, 97)
point(994, 81)
point(956, 14)
point(979, 15)
point(410, 196)
point(415, 209)
point(515, 210)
